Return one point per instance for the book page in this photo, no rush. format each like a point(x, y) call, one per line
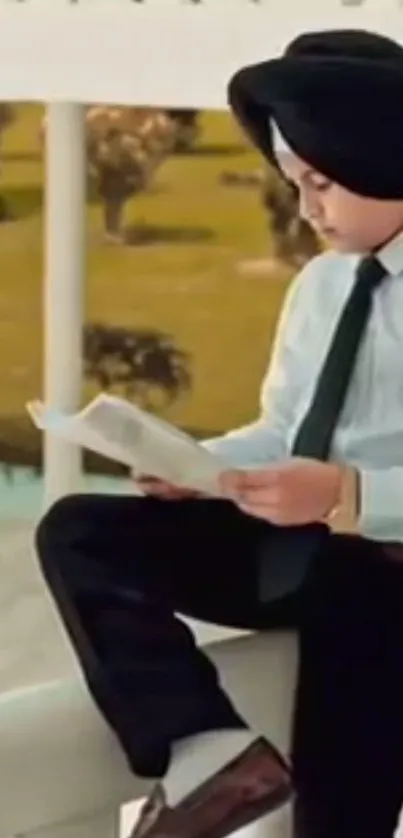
point(123, 432)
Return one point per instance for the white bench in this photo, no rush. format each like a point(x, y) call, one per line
point(62, 773)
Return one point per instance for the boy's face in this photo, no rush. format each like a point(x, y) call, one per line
point(350, 223)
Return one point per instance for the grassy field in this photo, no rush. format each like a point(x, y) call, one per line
point(187, 284)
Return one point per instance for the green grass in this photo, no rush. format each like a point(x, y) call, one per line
point(191, 290)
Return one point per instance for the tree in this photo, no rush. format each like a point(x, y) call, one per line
point(7, 117)
point(295, 242)
point(187, 128)
point(125, 146)
point(144, 363)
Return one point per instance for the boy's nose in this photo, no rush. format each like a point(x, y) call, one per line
point(309, 209)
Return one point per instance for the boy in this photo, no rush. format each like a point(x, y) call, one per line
point(322, 469)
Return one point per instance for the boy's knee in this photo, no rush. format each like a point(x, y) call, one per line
point(58, 525)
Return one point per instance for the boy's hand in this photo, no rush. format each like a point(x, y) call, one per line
point(299, 491)
point(161, 489)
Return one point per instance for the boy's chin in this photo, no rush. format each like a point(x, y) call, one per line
point(340, 243)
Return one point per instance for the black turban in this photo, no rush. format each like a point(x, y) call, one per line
point(337, 98)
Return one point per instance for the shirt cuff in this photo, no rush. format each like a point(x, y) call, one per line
point(381, 504)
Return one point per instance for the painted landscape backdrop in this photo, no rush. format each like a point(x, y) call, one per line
point(191, 245)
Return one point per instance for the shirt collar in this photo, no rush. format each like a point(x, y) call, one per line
point(391, 255)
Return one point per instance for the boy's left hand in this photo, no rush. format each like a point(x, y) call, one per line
point(298, 491)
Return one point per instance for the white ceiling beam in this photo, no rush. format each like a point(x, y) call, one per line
point(168, 52)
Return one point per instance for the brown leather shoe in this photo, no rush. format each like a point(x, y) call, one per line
point(253, 784)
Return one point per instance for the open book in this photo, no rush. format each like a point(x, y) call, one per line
point(123, 432)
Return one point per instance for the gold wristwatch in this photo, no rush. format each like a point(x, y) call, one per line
point(343, 517)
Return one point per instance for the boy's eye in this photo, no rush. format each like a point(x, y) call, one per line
point(320, 183)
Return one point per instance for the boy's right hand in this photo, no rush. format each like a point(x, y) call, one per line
point(161, 489)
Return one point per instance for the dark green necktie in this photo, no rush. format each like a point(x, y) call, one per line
point(314, 436)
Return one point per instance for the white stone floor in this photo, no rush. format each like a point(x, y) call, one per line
point(32, 645)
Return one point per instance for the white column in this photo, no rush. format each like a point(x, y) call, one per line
point(64, 285)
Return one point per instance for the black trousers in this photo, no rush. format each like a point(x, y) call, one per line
point(119, 567)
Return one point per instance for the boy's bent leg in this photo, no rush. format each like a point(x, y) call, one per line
point(348, 739)
point(118, 568)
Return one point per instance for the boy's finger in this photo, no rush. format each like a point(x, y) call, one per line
point(237, 481)
point(157, 487)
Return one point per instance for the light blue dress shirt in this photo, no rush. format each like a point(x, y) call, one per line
point(369, 434)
